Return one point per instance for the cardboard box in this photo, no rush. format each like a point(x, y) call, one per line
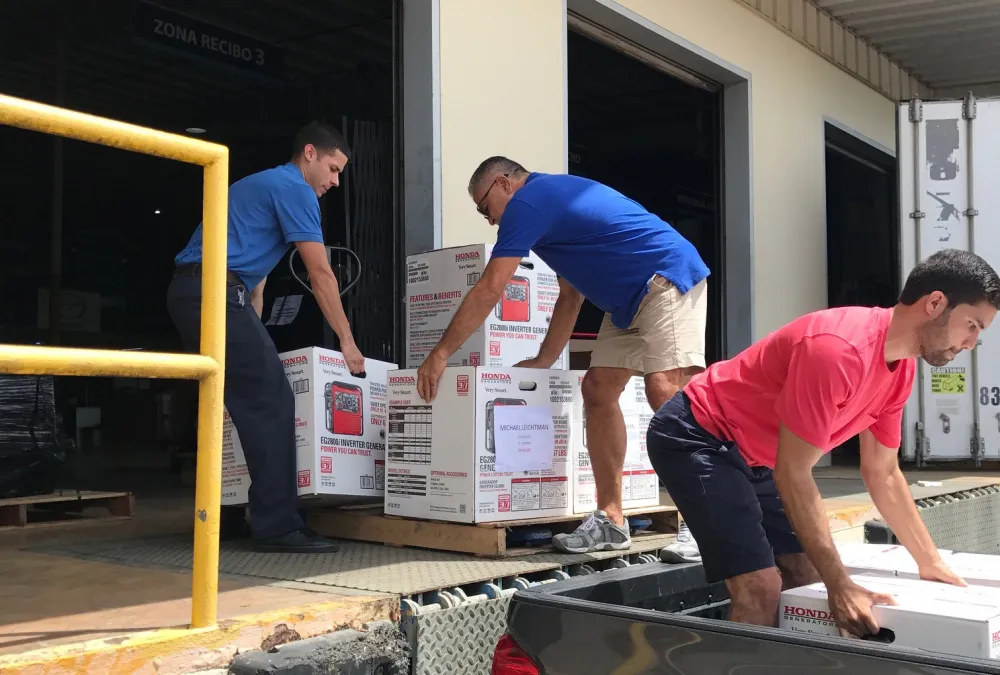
point(881, 559)
point(340, 429)
point(452, 459)
point(640, 485)
point(235, 475)
point(929, 616)
point(976, 568)
point(437, 282)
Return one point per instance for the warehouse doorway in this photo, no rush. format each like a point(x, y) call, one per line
point(862, 236)
point(102, 226)
point(652, 131)
point(862, 239)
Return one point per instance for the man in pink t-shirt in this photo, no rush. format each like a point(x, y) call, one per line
point(737, 446)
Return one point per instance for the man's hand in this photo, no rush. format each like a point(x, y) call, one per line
point(352, 355)
point(851, 606)
point(537, 362)
point(891, 495)
point(938, 571)
point(428, 375)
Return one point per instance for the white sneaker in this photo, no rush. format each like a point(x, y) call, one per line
point(596, 533)
point(683, 549)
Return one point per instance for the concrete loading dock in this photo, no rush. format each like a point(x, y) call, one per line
point(110, 595)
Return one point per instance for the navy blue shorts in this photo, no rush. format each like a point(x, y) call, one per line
point(732, 509)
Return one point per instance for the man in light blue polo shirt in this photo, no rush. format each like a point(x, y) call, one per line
point(648, 279)
point(269, 212)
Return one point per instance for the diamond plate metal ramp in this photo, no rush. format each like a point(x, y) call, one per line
point(358, 565)
point(966, 520)
point(459, 640)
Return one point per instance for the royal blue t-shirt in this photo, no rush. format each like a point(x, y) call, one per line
point(268, 212)
point(603, 243)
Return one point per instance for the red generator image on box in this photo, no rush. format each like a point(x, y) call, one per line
point(490, 405)
point(515, 305)
point(344, 410)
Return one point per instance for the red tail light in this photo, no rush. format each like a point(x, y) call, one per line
point(509, 659)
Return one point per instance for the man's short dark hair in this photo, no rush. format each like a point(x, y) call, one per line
point(493, 165)
point(963, 277)
point(325, 138)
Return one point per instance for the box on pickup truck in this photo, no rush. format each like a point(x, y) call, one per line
point(928, 615)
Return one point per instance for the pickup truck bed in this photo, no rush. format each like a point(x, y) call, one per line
point(657, 618)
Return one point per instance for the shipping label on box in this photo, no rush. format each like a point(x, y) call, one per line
point(640, 485)
point(235, 476)
point(340, 429)
point(929, 615)
point(491, 447)
point(437, 282)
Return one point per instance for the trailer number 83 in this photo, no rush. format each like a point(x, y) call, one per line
point(989, 396)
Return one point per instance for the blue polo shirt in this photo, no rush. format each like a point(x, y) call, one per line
point(268, 212)
point(603, 243)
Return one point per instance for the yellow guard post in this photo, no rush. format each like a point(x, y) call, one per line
point(208, 367)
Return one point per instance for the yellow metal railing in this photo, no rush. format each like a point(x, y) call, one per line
point(208, 367)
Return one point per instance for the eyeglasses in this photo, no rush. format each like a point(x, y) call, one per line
point(482, 209)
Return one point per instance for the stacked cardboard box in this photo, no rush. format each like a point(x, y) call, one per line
point(437, 282)
point(340, 429)
point(881, 559)
point(539, 469)
point(452, 459)
point(640, 486)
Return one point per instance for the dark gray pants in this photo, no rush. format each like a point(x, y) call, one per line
point(258, 398)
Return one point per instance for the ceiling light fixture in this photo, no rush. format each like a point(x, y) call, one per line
point(195, 130)
point(157, 211)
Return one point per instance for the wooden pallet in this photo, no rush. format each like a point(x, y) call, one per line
point(63, 508)
point(482, 539)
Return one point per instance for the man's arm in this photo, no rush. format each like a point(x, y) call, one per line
point(804, 505)
point(891, 495)
point(850, 603)
point(560, 329)
point(257, 298)
point(476, 306)
point(327, 291)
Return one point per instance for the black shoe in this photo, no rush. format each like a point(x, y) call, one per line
point(296, 541)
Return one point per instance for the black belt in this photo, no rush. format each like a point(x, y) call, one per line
point(194, 270)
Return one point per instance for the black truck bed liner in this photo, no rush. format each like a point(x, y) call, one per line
point(657, 618)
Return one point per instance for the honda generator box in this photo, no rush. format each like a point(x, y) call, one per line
point(340, 428)
point(235, 476)
point(977, 569)
point(492, 446)
point(437, 282)
point(929, 615)
point(640, 485)
point(881, 559)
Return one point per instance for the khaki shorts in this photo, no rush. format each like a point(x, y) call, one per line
point(667, 333)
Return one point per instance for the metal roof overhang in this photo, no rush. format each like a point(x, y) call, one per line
point(950, 45)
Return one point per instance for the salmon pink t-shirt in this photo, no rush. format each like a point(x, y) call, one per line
point(824, 376)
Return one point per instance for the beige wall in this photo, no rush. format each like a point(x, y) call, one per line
point(498, 98)
point(502, 72)
point(793, 88)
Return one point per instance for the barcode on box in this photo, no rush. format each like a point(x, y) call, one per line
point(368, 482)
point(473, 278)
point(461, 508)
point(300, 387)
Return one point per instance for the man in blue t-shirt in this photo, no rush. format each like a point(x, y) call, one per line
point(269, 212)
point(648, 279)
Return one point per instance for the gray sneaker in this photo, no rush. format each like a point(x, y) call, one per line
point(683, 549)
point(596, 533)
